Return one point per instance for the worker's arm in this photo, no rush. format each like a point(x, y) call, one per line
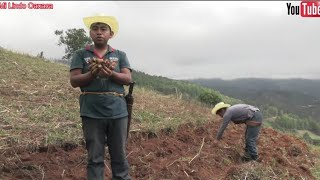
point(225, 122)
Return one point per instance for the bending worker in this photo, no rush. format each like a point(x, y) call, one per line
point(241, 113)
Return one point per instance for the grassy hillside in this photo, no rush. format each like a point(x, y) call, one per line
point(312, 135)
point(182, 89)
point(172, 135)
point(37, 99)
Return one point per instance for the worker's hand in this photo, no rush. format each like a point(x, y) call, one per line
point(216, 141)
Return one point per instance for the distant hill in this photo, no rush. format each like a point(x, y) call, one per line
point(184, 89)
point(298, 96)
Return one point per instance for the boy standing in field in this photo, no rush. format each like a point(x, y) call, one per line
point(101, 71)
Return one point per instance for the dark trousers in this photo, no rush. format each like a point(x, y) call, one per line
point(95, 133)
point(251, 137)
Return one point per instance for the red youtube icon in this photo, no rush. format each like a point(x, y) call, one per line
point(310, 8)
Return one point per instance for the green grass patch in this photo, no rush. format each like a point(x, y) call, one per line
point(311, 134)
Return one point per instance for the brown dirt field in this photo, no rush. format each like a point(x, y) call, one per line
point(171, 155)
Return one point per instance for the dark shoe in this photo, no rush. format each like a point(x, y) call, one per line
point(247, 159)
point(254, 158)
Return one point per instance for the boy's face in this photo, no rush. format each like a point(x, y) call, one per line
point(100, 33)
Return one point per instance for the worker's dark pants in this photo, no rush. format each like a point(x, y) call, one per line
point(95, 133)
point(251, 137)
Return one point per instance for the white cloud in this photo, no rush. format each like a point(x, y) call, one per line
point(190, 39)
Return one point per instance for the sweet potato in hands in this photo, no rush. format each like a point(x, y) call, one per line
point(102, 68)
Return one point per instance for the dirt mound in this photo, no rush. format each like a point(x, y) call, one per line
point(188, 153)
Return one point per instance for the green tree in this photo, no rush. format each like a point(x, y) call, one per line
point(209, 98)
point(73, 39)
point(270, 111)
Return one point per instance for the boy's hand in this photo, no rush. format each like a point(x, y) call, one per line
point(110, 64)
point(95, 65)
point(102, 68)
point(113, 64)
point(94, 69)
point(105, 72)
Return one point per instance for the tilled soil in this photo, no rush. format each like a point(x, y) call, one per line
point(190, 152)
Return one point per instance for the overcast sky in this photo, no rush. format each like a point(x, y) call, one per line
point(183, 40)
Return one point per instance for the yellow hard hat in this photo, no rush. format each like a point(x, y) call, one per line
point(109, 20)
point(219, 106)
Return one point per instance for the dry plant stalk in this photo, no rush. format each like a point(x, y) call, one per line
point(198, 152)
